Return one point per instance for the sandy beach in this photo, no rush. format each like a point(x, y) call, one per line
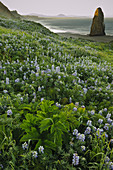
point(104, 39)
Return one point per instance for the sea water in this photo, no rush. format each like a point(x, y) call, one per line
point(75, 25)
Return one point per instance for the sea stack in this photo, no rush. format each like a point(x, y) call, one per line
point(98, 26)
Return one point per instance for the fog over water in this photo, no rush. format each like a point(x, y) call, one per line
point(77, 26)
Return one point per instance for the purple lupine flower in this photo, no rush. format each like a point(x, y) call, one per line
point(42, 99)
point(5, 91)
point(100, 112)
point(77, 104)
point(100, 121)
point(105, 109)
point(17, 80)
point(111, 140)
point(83, 148)
point(52, 68)
point(1, 166)
point(25, 146)
point(41, 149)
point(85, 90)
point(111, 165)
point(75, 131)
point(70, 100)
point(106, 135)
point(9, 112)
point(75, 109)
point(7, 80)
point(58, 105)
point(108, 115)
point(59, 77)
point(107, 159)
point(109, 120)
point(21, 99)
point(34, 154)
point(83, 106)
point(39, 88)
point(94, 128)
point(5, 72)
point(80, 137)
point(37, 74)
point(57, 69)
point(87, 131)
point(100, 130)
point(92, 112)
point(75, 160)
point(89, 123)
point(106, 127)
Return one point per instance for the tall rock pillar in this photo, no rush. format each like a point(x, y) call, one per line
point(98, 26)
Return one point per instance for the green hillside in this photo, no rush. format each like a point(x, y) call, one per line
point(16, 14)
point(56, 100)
point(5, 12)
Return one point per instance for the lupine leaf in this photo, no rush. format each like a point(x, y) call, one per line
point(50, 144)
point(45, 124)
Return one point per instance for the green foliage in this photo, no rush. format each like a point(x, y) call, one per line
point(49, 126)
point(8, 151)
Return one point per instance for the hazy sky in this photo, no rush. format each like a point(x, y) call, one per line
point(54, 7)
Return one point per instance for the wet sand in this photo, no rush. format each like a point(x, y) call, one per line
point(104, 39)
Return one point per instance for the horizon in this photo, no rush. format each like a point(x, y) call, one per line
point(68, 8)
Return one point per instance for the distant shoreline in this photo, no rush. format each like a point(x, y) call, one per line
point(50, 17)
point(105, 39)
point(61, 18)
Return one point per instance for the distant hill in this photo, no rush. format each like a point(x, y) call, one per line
point(38, 15)
point(30, 17)
point(5, 12)
point(47, 16)
point(61, 15)
point(53, 16)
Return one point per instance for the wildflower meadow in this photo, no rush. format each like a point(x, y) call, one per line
point(56, 100)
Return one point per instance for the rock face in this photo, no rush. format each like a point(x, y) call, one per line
point(98, 26)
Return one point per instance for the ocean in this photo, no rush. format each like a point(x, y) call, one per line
point(75, 25)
